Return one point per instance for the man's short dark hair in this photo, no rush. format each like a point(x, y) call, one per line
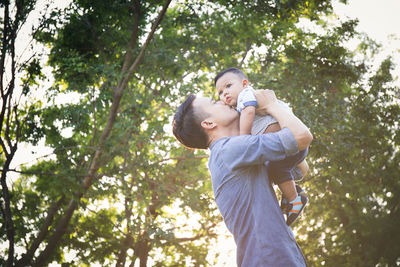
point(187, 125)
point(232, 70)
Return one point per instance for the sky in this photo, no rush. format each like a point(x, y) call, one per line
point(379, 19)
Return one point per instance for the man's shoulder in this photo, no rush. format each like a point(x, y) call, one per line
point(221, 143)
point(234, 144)
point(227, 143)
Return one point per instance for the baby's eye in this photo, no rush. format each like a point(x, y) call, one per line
point(220, 93)
point(228, 85)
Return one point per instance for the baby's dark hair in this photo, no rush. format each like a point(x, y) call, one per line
point(187, 126)
point(233, 70)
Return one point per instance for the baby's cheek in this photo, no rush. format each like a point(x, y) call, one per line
point(223, 100)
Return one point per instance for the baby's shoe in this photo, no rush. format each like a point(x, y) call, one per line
point(295, 207)
point(284, 202)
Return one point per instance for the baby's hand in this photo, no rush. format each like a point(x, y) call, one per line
point(266, 99)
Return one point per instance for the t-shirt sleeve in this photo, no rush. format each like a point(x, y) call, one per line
point(247, 150)
point(246, 98)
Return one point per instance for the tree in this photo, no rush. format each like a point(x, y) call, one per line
point(121, 190)
point(355, 153)
point(13, 96)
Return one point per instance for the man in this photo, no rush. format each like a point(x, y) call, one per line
point(242, 192)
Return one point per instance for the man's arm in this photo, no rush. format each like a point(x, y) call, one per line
point(246, 119)
point(285, 118)
point(246, 150)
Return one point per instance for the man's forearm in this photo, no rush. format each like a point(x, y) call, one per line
point(288, 120)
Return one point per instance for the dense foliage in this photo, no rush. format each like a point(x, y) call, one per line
point(119, 189)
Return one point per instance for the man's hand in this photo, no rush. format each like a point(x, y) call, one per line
point(268, 104)
point(266, 100)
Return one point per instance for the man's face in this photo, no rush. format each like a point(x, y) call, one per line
point(228, 87)
point(218, 112)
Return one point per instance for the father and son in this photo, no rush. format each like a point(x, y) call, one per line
point(253, 138)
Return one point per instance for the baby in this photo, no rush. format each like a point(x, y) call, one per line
point(234, 90)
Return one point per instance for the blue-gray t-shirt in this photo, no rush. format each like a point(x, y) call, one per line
point(248, 203)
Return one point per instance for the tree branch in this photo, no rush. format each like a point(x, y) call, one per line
point(95, 164)
point(134, 37)
point(115, 105)
point(248, 46)
point(3, 145)
point(180, 158)
point(133, 67)
point(12, 82)
point(4, 47)
point(198, 236)
point(7, 133)
point(55, 150)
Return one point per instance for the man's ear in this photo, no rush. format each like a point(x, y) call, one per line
point(208, 125)
point(245, 83)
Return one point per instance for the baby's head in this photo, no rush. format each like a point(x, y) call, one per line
point(229, 84)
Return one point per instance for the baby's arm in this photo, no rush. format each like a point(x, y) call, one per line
point(246, 119)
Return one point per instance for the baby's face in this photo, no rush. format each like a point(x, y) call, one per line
point(228, 87)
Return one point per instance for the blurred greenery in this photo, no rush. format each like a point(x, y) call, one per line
point(150, 201)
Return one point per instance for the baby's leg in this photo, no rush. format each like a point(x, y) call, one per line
point(283, 174)
point(303, 166)
point(288, 187)
point(272, 128)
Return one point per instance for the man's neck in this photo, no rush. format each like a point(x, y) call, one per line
point(222, 132)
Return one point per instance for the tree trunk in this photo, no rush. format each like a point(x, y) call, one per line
point(7, 213)
point(125, 246)
point(60, 230)
point(28, 256)
point(142, 249)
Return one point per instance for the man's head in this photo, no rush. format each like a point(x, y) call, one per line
point(229, 84)
point(187, 125)
point(199, 120)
